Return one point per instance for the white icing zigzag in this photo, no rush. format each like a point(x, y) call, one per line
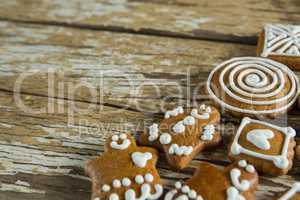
point(233, 192)
point(125, 142)
point(188, 193)
point(153, 132)
point(180, 150)
point(293, 191)
point(208, 133)
point(174, 112)
point(250, 81)
point(141, 159)
point(280, 161)
point(281, 40)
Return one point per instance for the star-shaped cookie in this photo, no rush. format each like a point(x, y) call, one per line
point(182, 134)
point(235, 182)
point(125, 171)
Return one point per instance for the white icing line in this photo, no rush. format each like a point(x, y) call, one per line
point(124, 145)
point(260, 138)
point(280, 161)
point(205, 115)
point(165, 138)
point(267, 63)
point(235, 175)
point(145, 193)
point(180, 150)
point(284, 37)
point(174, 112)
point(289, 194)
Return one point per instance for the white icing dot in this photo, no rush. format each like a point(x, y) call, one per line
point(242, 163)
point(126, 182)
point(250, 169)
point(116, 183)
point(153, 132)
point(165, 138)
point(105, 188)
point(115, 137)
point(178, 185)
point(192, 194)
point(114, 196)
point(179, 127)
point(123, 136)
point(97, 198)
point(149, 178)
point(139, 179)
point(185, 189)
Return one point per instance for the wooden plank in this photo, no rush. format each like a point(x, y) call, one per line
point(217, 20)
point(122, 70)
point(42, 155)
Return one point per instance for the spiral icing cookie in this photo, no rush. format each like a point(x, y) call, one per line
point(235, 182)
point(268, 147)
point(253, 87)
point(281, 43)
point(125, 171)
point(184, 133)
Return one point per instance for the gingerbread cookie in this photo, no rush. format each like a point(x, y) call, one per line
point(281, 43)
point(253, 87)
point(268, 147)
point(235, 182)
point(125, 171)
point(293, 193)
point(183, 134)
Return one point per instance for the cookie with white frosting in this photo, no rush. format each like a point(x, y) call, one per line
point(182, 134)
point(210, 182)
point(253, 87)
point(270, 148)
point(125, 171)
point(281, 43)
point(292, 194)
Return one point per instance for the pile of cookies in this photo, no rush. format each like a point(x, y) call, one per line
point(252, 89)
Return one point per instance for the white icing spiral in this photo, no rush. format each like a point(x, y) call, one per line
point(254, 81)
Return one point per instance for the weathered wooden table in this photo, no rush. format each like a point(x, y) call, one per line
point(74, 72)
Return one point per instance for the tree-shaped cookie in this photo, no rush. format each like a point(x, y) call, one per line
point(125, 171)
point(235, 182)
point(182, 134)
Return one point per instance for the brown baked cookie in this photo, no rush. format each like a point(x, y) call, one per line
point(292, 194)
point(253, 87)
point(184, 133)
point(281, 43)
point(235, 182)
point(125, 171)
point(268, 147)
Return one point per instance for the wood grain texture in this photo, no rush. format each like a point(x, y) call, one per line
point(236, 21)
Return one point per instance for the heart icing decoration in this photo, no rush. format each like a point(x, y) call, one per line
point(141, 159)
point(260, 138)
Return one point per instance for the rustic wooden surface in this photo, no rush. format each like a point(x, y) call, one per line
point(154, 44)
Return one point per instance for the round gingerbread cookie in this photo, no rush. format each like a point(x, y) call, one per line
point(253, 87)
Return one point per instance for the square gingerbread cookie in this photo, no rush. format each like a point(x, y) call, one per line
point(268, 147)
point(281, 43)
